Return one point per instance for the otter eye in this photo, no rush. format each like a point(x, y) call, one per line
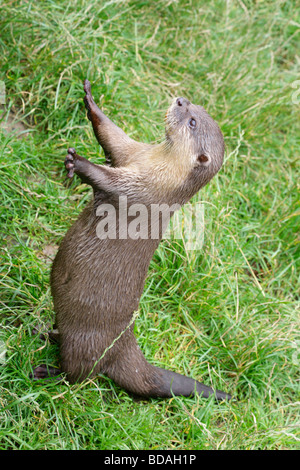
point(192, 123)
point(202, 158)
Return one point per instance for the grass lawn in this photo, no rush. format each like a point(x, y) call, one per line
point(227, 314)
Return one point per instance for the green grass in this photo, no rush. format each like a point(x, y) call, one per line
point(227, 315)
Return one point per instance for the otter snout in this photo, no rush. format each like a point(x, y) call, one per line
point(182, 101)
point(178, 106)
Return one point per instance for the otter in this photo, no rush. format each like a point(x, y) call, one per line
point(97, 281)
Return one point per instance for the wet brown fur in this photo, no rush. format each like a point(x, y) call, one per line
point(97, 284)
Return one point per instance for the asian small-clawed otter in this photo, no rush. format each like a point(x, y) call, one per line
point(96, 281)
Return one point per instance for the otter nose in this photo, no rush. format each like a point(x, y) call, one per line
point(182, 101)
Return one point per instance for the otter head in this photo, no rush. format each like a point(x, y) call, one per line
point(196, 139)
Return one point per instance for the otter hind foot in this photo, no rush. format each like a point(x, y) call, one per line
point(43, 371)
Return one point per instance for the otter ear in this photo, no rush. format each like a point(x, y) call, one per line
point(203, 159)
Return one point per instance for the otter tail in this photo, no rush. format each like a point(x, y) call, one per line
point(131, 371)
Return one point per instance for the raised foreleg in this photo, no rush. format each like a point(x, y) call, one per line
point(116, 144)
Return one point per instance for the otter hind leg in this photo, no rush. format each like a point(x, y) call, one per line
point(131, 371)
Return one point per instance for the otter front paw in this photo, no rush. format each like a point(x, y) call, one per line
point(70, 162)
point(88, 99)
